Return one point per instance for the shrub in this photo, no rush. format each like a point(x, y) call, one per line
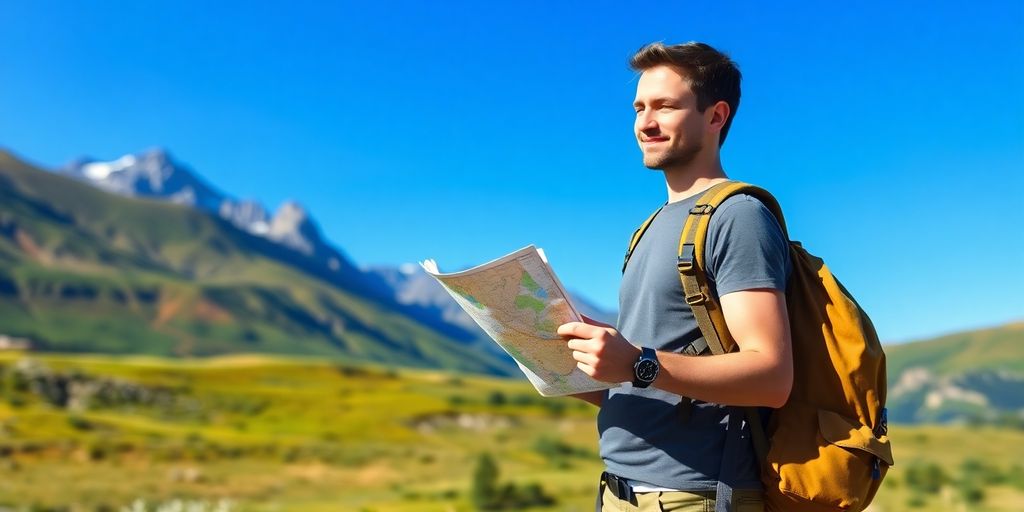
point(100, 449)
point(79, 423)
point(982, 472)
point(556, 407)
point(497, 399)
point(926, 477)
point(556, 451)
point(486, 494)
point(915, 500)
point(971, 492)
point(522, 400)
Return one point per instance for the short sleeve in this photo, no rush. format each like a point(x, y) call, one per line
point(746, 248)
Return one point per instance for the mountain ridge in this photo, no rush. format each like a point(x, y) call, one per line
point(145, 174)
point(155, 174)
point(87, 270)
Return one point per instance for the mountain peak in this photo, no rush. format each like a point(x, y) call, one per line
point(292, 226)
point(159, 157)
point(154, 173)
point(291, 209)
point(150, 173)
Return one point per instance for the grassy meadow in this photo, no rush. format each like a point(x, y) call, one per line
point(254, 433)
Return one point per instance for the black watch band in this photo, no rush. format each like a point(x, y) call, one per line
point(646, 368)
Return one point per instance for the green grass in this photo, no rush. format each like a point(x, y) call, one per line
point(301, 434)
point(287, 434)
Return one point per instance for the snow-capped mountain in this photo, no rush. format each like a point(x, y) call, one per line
point(155, 174)
point(148, 174)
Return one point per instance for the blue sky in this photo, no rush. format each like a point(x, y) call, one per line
point(893, 135)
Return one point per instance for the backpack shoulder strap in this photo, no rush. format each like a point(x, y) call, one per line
point(639, 233)
point(691, 264)
point(691, 260)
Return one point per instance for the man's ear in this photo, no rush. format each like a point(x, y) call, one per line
point(717, 114)
point(715, 117)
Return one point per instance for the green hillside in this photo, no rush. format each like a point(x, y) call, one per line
point(82, 270)
point(972, 377)
point(999, 348)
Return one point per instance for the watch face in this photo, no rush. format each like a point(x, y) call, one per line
point(647, 370)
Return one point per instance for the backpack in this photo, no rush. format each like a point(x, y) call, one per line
point(827, 448)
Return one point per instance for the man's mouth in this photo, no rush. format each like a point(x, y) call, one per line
point(652, 140)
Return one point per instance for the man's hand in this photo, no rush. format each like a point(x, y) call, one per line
point(600, 351)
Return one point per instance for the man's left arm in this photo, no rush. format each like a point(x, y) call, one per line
point(759, 374)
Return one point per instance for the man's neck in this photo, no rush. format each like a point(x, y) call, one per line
point(693, 179)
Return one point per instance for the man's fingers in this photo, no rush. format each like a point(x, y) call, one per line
point(591, 321)
point(581, 345)
point(566, 329)
point(575, 329)
point(586, 368)
point(584, 357)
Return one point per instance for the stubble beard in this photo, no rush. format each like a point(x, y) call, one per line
point(680, 157)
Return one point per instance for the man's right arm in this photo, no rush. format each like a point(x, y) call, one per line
point(594, 397)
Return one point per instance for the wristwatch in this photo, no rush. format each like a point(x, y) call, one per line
point(646, 368)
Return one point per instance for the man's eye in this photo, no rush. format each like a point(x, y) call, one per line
point(667, 107)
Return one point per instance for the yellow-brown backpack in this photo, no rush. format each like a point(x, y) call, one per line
point(827, 448)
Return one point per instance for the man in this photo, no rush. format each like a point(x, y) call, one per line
point(662, 433)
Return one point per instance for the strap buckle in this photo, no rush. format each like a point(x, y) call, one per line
point(702, 209)
point(685, 261)
point(696, 347)
point(697, 299)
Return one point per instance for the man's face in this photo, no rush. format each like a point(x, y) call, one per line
point(668, 126)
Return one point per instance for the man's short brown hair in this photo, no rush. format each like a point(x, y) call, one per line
point(713, 76)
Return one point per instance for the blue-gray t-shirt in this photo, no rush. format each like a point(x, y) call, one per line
point(642, 435)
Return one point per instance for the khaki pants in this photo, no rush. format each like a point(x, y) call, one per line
point(679, 501)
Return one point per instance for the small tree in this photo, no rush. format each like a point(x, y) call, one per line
point(484, 492)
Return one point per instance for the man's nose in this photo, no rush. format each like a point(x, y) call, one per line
point(646, 122)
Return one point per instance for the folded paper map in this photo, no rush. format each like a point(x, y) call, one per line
point(519, 302)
